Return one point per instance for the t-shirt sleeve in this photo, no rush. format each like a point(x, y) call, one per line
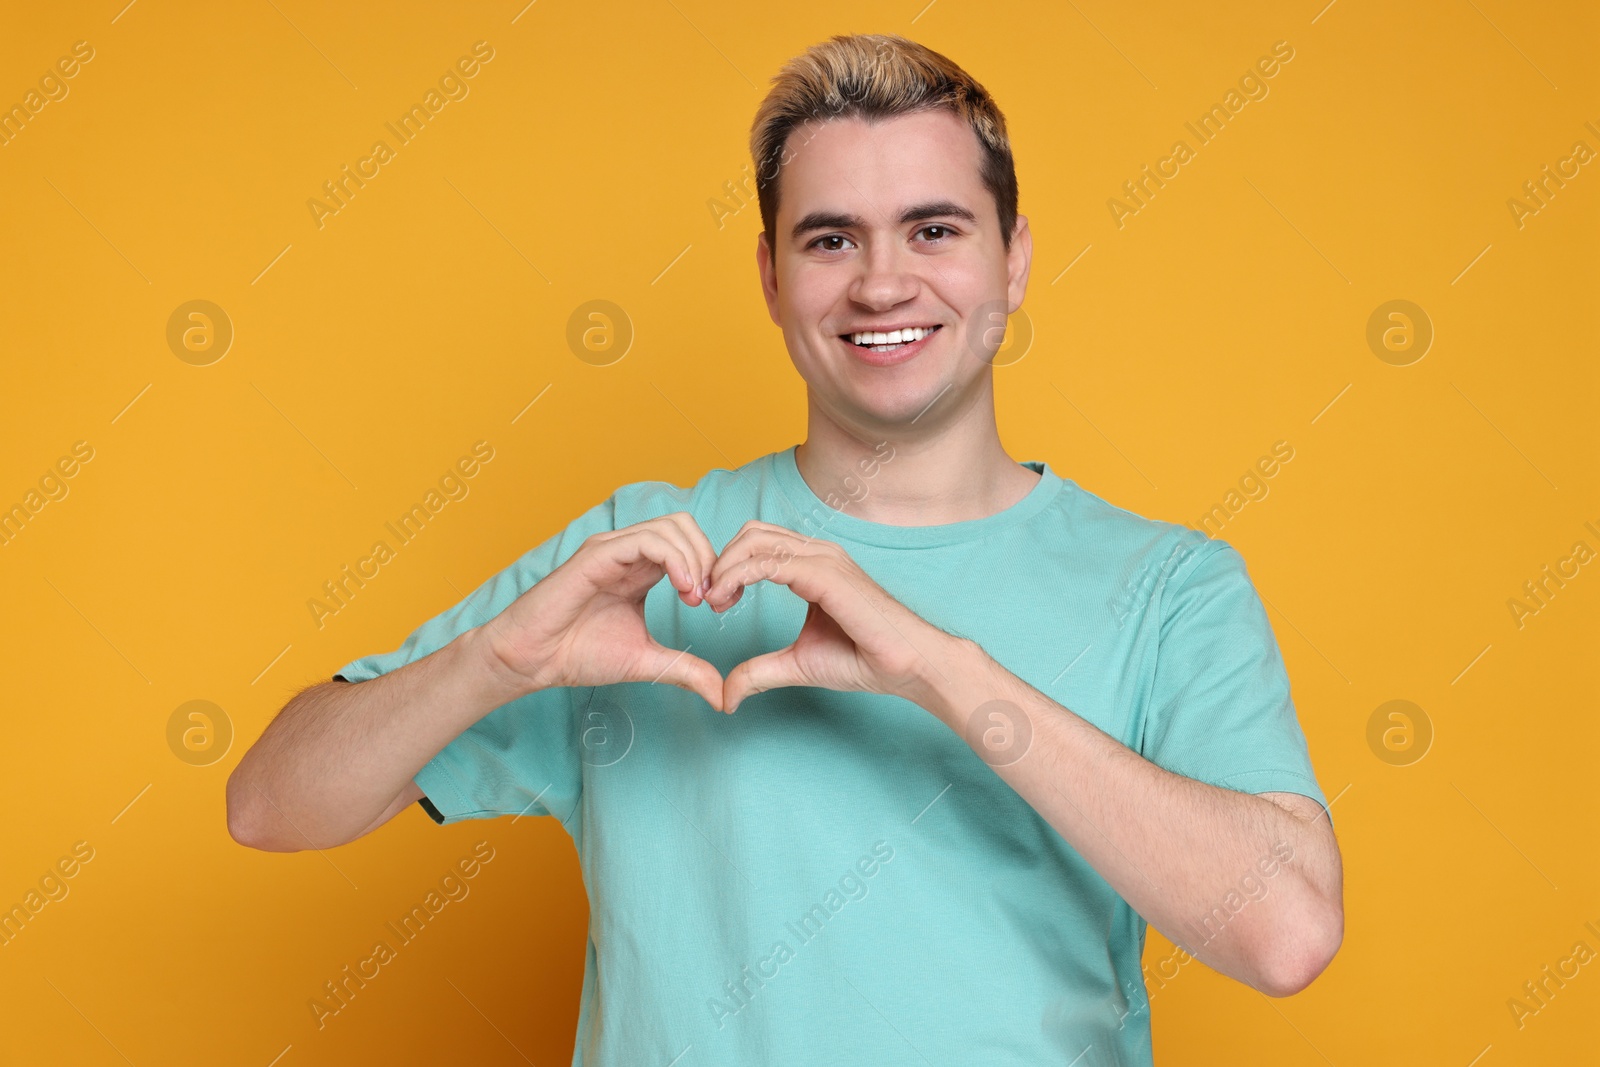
point(1220, 710)
point(522, 757)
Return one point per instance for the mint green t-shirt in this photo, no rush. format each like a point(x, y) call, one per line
point(826, 878)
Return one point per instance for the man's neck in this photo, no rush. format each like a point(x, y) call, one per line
point(939, 473)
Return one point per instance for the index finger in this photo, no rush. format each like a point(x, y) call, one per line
point(698, 541)
point(764, 542)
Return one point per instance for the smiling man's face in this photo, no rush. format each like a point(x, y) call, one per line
point(884, 226)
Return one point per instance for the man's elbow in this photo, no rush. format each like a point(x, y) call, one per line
point(1311, 947)
point(248, 824)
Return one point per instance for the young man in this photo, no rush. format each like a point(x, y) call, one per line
point(914, 738)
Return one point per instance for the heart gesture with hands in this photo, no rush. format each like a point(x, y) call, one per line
point(856, 637)
point(583, 624)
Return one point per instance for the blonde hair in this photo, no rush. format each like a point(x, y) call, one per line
point(876, 76)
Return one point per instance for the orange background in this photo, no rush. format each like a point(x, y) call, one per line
point(1169, 354)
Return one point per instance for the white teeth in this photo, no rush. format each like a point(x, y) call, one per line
point(894, 337)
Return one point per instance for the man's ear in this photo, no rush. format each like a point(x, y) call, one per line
point(1018, 261)
point(769, 277)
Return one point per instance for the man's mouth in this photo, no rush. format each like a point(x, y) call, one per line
point(888, 342)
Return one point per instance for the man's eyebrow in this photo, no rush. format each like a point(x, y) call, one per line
point(830, 220)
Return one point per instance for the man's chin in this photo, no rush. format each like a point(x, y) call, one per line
point(885, 408)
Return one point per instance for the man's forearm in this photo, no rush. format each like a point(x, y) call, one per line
point(337, 754)
point(1174, 848)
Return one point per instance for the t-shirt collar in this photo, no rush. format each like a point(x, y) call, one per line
point(818, 519)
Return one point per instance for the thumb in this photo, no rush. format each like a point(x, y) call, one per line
point(672, 667)
point(772, 670)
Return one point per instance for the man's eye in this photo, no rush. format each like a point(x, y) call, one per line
point(829, 237)
point(944, 231)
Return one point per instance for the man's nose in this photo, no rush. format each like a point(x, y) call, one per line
point(887, 276)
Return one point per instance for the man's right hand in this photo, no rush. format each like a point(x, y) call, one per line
point(583, 624)
point(341, 758)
